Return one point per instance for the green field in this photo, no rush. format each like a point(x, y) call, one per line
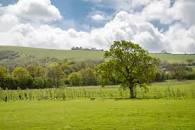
point(153, 114)
point(166, 106)
point(80, 55)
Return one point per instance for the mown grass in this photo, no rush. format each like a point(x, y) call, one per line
point(81, 55)
point(102, 114)
point(169, 89)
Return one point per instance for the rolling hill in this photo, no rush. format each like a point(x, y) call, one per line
point(79, 55)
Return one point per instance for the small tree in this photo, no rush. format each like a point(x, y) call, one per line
point(130, 64)
point(3, 72)
point(179, 71)
point(75, 79)
point(23, 78)
point(88, 76)
point(36, 70)
point(20, 73)
point(189, 61)
point(55, 73)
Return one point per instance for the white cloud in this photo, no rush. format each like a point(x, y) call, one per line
point(159, 10)
point(19, 26)
point(181, 39)
point(123, 26)
point(34, 10)
point(7, 21)
point(155, 9)
point(98, 17)
point(184, 11)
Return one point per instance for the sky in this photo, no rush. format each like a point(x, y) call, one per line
point(62, 24)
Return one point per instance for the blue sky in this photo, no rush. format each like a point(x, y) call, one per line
point(61, 24)
point(75, 13)
point(74, 10)
point(78, 12)
point(7, 2)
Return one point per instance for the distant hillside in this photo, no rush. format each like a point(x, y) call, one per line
point(76, 55)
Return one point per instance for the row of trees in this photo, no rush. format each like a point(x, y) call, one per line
point(57, 74)
point(87, 49)
point(53, 74)
point(177, 71)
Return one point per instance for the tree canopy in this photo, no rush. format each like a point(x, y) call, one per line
point(20, 73)
point(128, 63)
point(3, 71)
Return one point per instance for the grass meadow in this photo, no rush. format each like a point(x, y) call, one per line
point(108, 114)
point(166, 106)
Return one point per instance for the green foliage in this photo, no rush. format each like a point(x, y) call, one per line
point(36, 70)
point(189, 76)
point(3, 72)
point(105, 74)
point(55, 73)
point(130, 64)
point(41, 82)
point(161, 76)
point(75, 79)
point(88, 76)
point(8, 83)
point(180, 71)
point(20, 73)
point(190, 61)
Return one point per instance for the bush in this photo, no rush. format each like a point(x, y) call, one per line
point(178, 71)
point(190, 76)
point(88, 76)
point(3, 72)
point(23, 83)
point(8, 83)
point(38, 82)
point(161, 76)
point(75, 79)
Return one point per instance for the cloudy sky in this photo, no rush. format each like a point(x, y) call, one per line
point(61, 24)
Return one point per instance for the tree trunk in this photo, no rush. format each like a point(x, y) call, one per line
point(132, 92)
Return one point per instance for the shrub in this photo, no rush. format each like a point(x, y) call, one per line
point(88, 76)
point(189, 76)
point(75, 79)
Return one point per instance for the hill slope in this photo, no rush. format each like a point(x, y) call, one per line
point(75, 55)
point(80, 55)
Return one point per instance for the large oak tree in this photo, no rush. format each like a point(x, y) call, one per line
point(131, 65)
